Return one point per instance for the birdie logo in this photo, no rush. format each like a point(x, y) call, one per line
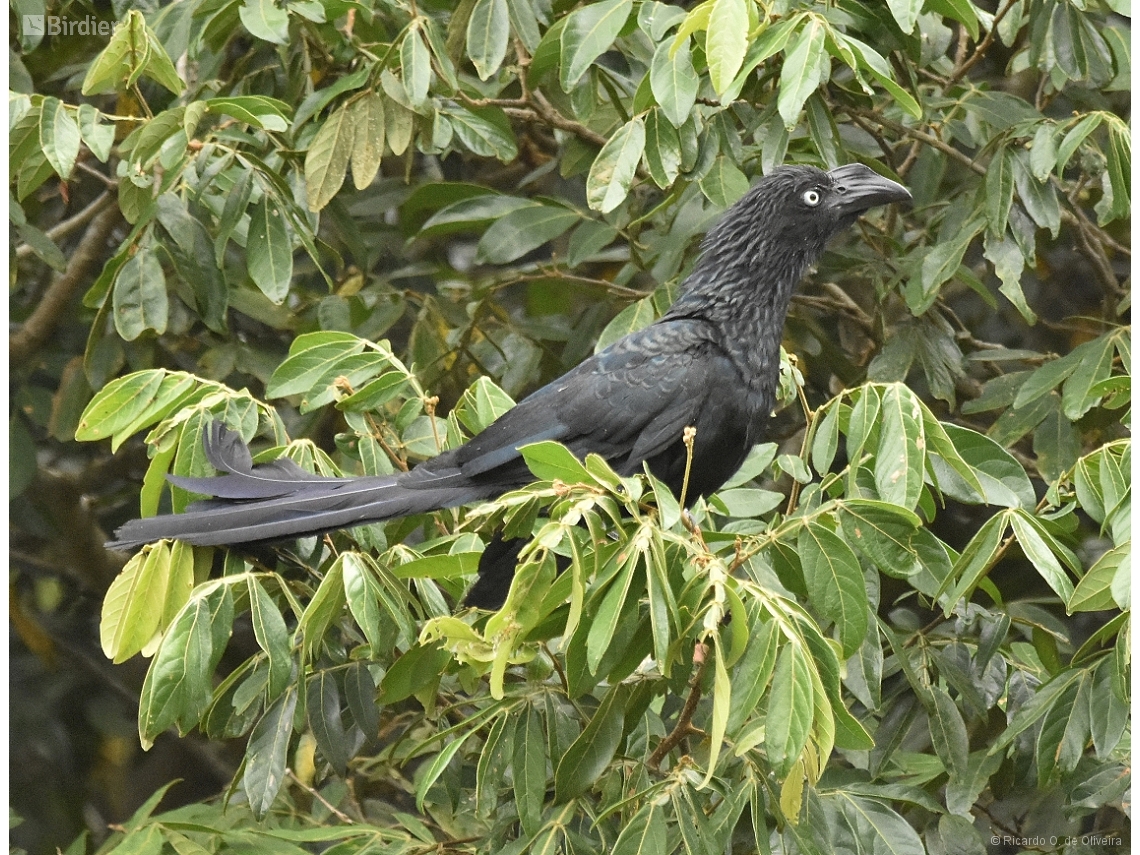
point(54, 25)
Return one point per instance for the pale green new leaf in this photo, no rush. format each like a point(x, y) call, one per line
point(327, 158)
point(674, 82)
point(488, 32)
point(614, 168)
point(726, 41)
point(588, 32)
point(59, 137)
point(266, 20)
point(133, 605)
point(806, 66)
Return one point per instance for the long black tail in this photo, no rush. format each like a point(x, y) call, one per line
point(279, 499)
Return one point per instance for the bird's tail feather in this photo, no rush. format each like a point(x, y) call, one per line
point(279, 500)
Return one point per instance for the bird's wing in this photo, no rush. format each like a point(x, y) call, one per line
point(627, 403)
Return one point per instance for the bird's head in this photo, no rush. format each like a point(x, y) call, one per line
point(799, 208)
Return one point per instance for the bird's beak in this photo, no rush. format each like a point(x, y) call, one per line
point(858, 188)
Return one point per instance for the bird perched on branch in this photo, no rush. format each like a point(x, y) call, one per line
point(711, 363)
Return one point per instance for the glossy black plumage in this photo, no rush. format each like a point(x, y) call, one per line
point(711, 362)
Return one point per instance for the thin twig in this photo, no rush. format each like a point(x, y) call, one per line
point(914, 133)
point(69, 225)
point(111, 183)
point(684, 720)
point(339, 814)
point(36, 329)
point(984, 45)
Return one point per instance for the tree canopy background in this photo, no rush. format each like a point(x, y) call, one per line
point(357, 230)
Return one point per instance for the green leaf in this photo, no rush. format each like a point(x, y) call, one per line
point(590, 754)
point(644, 834)
point(323, 611)
point(613, 170)
point(1041, 556)
point(726, 41)
point(752, 672)
point(59, 137)
point(488, 31)
point(610, 613)
point(1009, 264)
point(118, 404)
point(1039, 199)
point(269, 252)
point(322, 710)
point(1074, 137)
point(260, 111)
point(940, 264)
point(958, 10)
point(550, 461)
point(367, 139)
point(588, 239)
point(674, 82)
point(806, 66)
point(520, 231)
point(484, 131)
point(139, 298)
point(265, 20)
point(524, 22)
point(441, 761)
point(415, 670)
point(984, 469)
point(123, 60)
point(1093, 593)
point(662, 150)
point(98, 136)
point(948, 732)
point(177, 686)
point(881, 531)
point(1093, 367)
point(327, 158)
point(632, 318)
point(723, 184)
point(1056, 444)
point(867, 825)
point(999, 190)
point(587, 34)
point(905, 13)
point(133, 605)
point(1043, 153)
point(415, 62)
point(159, 67)
point(791, 706)
point(871, 60)
point(363, 592)
point(1119, 155)
point(267, 753)
point(311, 358)
point(976, 559)
point(272, 636)
point(835, 583)
point(901, 456)
point(528, 769)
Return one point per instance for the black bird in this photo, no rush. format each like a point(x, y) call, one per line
point(711, 362)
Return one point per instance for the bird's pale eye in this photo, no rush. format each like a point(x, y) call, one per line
point(811, 198)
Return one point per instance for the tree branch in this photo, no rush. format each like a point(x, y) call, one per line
point(71, 224)
point(684, 720)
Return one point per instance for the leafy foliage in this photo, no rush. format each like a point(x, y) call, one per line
point(906, 618)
